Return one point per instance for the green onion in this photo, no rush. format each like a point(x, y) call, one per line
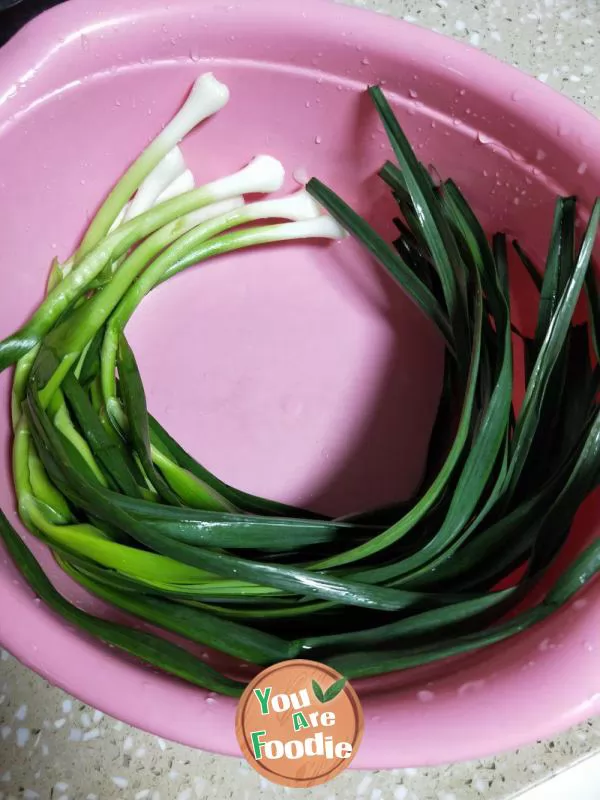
point(141, 524)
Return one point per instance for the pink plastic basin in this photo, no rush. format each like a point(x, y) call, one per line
point(300, 371)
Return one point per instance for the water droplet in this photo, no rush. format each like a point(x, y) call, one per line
point(318, 140)
point(463, 92)
point(563, 128)
point(85, 43)
point(580, 604)
point(483, 138)
point(540, 155)
point(413, 93)
point(471, 686)
point(426, 696)
point(589, 647)
point(365, 62)
point(582, 168)
point(291, 405)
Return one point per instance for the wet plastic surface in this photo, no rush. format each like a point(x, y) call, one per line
point(301, 371)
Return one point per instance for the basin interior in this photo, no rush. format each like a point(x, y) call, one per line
point(300, 372)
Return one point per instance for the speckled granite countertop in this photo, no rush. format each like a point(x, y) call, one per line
point(52, 746)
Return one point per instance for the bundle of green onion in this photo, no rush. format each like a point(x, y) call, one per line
point(139, 523)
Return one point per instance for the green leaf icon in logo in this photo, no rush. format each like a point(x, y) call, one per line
point(334, 690)
point(329, 694)
point(318, 692)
